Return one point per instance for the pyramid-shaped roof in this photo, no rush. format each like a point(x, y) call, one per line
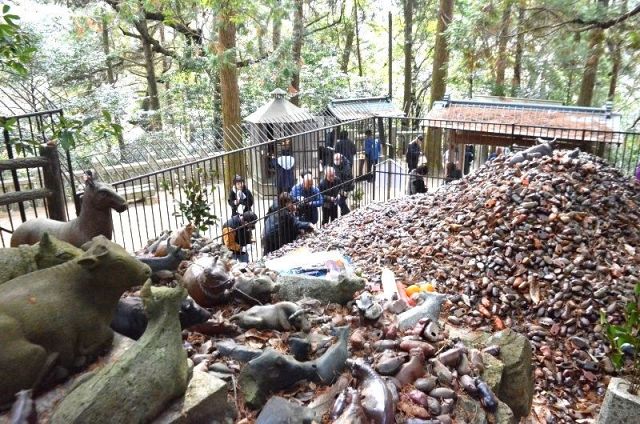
point(279, 110)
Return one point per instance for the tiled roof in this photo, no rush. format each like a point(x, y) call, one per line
point(527, 119)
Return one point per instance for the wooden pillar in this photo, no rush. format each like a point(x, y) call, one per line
point(53, 181)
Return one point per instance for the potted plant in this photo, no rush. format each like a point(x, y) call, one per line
point(622, 401)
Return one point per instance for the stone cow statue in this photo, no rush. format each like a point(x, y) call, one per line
point(17, 261)
point(94, 218)
point(58, 318)
point(139, 385)
point(281, 316)
point(543, 148)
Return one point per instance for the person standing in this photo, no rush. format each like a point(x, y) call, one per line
point(285, 166)
point(236, 234)
point(282, 226)
point(372, 150)
point(308, 197)
point(344, 171)
point(413, 152)
point(469, 155)
point(346, 147)
point(240, 195)
point(330, 187)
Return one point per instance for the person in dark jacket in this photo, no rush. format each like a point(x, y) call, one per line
point(308, 198)
point(240, 195)
point(372, 150)
point(343, 170)
point(236, 234)
point(285, 168)
point(346, 147)
point(331, 190)
point(416, 180)
point(469, 155)
point(414, 152)
point(283, 226)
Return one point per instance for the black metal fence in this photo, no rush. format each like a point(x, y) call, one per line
point(22, 136)
point(274, 154)
point(155, 197)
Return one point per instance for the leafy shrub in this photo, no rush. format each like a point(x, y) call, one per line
point(625, 341)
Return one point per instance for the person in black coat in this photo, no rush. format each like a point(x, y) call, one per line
point(240, 195)
point(283, 226)
point(344, 172)
point(346, 147)
point(331, 190)
point(414, 152)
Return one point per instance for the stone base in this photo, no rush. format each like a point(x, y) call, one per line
point(619, 406)
point(205, 401)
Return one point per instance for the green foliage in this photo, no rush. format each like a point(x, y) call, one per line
point(625, 340)
point(15, 44)
point(195, 208)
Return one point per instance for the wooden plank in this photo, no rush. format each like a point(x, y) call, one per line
point(24, 196)
point(22, 163)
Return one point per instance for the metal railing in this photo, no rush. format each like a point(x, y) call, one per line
point(154, 197)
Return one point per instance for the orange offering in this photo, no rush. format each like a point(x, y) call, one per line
point(412, 289)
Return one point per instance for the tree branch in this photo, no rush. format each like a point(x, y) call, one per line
point(591, 24)
point(194, 35)
point(327, 26)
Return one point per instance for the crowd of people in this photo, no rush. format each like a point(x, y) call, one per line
point(301, 204)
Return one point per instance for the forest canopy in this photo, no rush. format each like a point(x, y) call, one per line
point(148, 65)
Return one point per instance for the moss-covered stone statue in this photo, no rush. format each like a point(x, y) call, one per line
point(94, 219)
point(17, 261)
point(138, 386)
point(58, 318)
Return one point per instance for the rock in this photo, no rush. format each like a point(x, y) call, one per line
point(430, 308)
point(469, 410)
point(295, 287)
point(389, 365)
point(278, 410)
point(516, 387)
point(503, 415)
point(493, 372)
point(397, 306)
point(619, 406)
point(205, 397)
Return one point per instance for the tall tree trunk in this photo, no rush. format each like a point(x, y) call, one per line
point(517, 62)
point(166, 61)
point(590, 72)
point(296, 50)
point(276, 29)
point(501, 62)
point(348, 42)
point(439, 79)
point(615, 50)
point(616, 58)
point(111, 77)
point(230, 92)
point(407, 6)
point(152, 82)
point(358, 53)
point(591, 68)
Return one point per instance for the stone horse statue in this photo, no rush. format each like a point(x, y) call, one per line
point(94, 219)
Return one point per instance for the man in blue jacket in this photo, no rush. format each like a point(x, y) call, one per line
point(372, 149)
point(308, 197)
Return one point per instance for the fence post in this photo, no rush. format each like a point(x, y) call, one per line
point(53, 182)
